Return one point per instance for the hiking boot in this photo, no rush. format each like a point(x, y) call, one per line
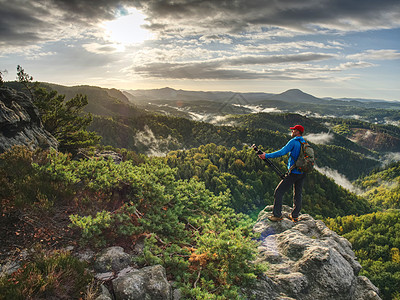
point(275, 219)
point(295, 220)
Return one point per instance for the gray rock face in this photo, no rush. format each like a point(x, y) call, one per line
point(20, 123)
point(149, 283)
point(308, 261)
point(112, 259)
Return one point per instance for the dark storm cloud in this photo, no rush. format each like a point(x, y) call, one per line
point(240, 14)
point(18, 24)
point(28, 22)
point(24, 23)
point(90, 9)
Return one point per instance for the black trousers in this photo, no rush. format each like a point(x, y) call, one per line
point(297, 180)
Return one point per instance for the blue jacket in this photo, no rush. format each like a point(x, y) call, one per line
point(293, 146)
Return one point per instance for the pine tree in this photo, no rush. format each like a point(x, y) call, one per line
point(65, 120)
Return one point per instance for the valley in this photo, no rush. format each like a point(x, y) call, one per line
point(201, 140)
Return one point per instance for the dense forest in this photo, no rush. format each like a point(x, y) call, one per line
point(382, 187)
point(193, 201)
point(160, 133)
point(375, 239)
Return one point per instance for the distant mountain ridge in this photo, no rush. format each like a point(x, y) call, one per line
point(172, 94)
point(291, 95)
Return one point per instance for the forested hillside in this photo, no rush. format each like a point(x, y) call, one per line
point(252, 183)
point(159, 133)
point(102, 102)
point(281, 122)
point(190, 191)
point(382, 187)
point(51, 201)
point(377, 137)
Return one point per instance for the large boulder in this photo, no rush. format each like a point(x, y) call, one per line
point(306, 261)
point(20, 123)
point(148, 283)
point(112, 259)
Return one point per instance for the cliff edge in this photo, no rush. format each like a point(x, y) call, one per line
point(20, 123)
point(307, 260)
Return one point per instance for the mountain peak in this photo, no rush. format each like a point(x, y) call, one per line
point(167, 89)
point(295, 95)
point(294, 91)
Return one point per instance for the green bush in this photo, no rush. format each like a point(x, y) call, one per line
point(21, 183)
point(221, 263)
point(50, 275)
point(179, 220)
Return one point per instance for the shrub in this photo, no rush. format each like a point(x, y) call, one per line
point(54, 274)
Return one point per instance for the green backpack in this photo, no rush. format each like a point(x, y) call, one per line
point(306, 159)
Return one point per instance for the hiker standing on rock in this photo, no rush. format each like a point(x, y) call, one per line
point(294, 177)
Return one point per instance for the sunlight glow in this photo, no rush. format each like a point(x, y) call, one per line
point(127, 29)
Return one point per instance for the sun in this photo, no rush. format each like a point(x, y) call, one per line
point(127, 29)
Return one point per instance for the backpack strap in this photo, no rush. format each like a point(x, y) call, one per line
point(294, 164)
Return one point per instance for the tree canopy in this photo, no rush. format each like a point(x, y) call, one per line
point(65, 120)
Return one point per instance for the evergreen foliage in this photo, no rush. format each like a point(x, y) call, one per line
point(65, 120)
point(376, 242)
point(252, 184)
point(280, 122)
point(382, 187)
point(172, 133)
point(123, 203)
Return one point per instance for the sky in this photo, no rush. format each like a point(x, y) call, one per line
point(327, 48)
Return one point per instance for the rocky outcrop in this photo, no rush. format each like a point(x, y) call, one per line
point(112, 259)
point(114, 267)
point(307, 261)
point(20, 123)
point(146, 283)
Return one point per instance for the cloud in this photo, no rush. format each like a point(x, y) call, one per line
point(339, 179)
point(390, 157)
point(353, 65)
point(24, 22)
point(20, 23)
point(277, 47)
point(227, 67)
point(259, 109)
point(155, 146)
point(383, 54)
point(197, 40)
point(319, 138)
point(215, 38)
point(102, 48)
point(222, 120)
point(241, 15)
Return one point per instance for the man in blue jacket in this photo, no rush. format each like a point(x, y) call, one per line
point(295, 177)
